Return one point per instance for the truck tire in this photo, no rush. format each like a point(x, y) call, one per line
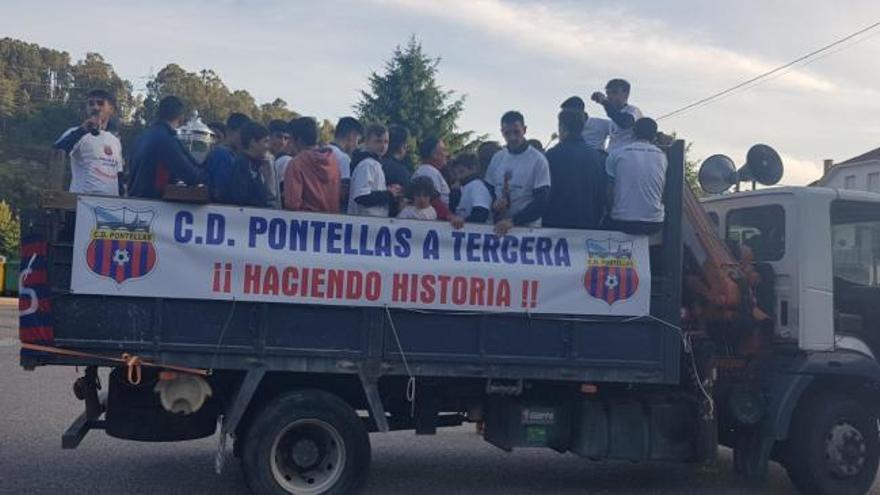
point(833, 446)
point(306, 442)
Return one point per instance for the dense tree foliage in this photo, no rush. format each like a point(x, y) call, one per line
point(42, 93)
point(407, 93)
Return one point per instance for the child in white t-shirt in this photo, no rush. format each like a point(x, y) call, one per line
point(420, 192)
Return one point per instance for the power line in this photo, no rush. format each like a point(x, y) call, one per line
point(760, 77)
point(784, 72)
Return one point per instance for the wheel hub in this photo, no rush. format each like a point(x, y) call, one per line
point(305, 453)
point(307, 457)
point(845, 450)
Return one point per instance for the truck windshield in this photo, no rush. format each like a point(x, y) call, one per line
point(762, 228)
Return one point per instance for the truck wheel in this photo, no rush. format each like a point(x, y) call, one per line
point(834, 447)
point(306, 442)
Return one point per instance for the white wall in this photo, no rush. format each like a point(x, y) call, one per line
point(861, 176)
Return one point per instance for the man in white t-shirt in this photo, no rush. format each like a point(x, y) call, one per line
point(623, 116)
point(369, 195)
point(520, 176)
point(637, 172)
point(95, 153)
point(346, 136)
point(596, 130)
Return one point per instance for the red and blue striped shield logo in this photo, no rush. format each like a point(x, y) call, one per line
point(121, 246)
point(611, 273)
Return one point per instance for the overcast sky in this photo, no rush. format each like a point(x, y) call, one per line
point(512, 54)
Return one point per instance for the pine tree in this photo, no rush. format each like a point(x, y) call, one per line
point(407, 94)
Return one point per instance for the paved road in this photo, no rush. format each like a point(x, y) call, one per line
point(35, 407)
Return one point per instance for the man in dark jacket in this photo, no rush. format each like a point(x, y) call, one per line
point(394, 165)
point(245, 186)
point(159, 158)
point(577, 172)
point(219, 162)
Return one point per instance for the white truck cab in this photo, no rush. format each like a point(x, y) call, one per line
point(824, 248)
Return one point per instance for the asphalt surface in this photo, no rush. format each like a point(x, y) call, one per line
point(36, 407)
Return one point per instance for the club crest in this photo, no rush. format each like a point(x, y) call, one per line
point(611, 272)
point(121, 246)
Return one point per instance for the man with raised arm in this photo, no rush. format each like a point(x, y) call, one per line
point(623, 116)
point(95, 153)
point(159, 158)
point(520, 177)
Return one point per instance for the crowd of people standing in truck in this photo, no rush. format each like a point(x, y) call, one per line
point(604, 173)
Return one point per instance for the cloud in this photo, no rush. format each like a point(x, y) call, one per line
point(799, 172)
point(592, 38)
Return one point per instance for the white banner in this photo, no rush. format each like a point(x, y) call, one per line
point(128, 247)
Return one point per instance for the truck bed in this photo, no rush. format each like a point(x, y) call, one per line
point(342, 339)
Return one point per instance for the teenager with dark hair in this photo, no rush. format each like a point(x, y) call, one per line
point(520, 177)
point(577, 199)
point(346, 136)
point(159, 158)
point(279, 154)
point(219, 162)
point(623, 116)
point(219, 129)
point(279, 136)
point(311, 181)
point(95, 153)
point(394, 165)
point(370, 195)
point(246, 185)
point(638, 176)
point(474, 204)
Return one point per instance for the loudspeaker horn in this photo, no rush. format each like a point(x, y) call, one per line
point(717, 174)
point(763, 165)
